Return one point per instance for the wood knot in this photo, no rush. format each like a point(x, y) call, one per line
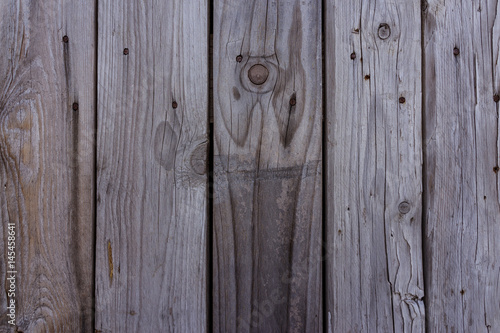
point(258, 74)
point(165, 144)
point(198, 159)
point(404, 207)
point(384, 31)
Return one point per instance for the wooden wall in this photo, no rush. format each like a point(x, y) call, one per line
point(250, 166)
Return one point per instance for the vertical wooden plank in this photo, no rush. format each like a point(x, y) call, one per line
point(151, 166)
point(462, 207)
point(267, 166)
point(47, 163)
point(374, 160)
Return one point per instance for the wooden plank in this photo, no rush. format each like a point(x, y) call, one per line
point(267, 166)
point(151, 186)
point(462, 206)
point(373, 90)
point(47, 163)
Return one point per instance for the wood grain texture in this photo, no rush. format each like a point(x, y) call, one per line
point(462, 206)
point(267, 166)
point(374, 270)
point(47, 162)
point(151, 165)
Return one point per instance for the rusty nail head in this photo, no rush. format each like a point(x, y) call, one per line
point(239, 58)
point(65, 39)
point(125, 51)
point(174, 104)
point(75, 106)
point(402, 100)
point(353, 56)
point(404, 207)
point(293, 101)
point(456, 51)
point(496, 98)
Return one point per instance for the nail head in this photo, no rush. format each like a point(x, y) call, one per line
point(456, 51)
point(75, 106)
point(65, 39)
point(402, 100)
point(239, 58)
point(496, 98)
point(174, 104)
point(125, 51)
point(293, 101)
point(353, 56)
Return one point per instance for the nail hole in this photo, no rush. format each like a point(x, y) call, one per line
point(367, 77)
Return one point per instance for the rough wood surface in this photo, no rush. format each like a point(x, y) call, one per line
point(462, 205)
point(47, 162)
point(151, 166)
point(374, 279)
point(267, 166)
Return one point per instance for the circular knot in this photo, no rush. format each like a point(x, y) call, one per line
point(384, 31)
point(258, 74)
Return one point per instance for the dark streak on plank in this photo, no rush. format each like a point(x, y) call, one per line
point(267, 166)
point(47, 162)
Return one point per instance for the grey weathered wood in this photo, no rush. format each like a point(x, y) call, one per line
point(374, 267)
point(151, 166)
point(462, 199)
point(47, 162)
point(267, 167)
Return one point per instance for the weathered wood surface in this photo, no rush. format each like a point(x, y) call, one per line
point(267, 166)
point(151, 166)
point(462, 199)
point(373, 202)
point(47, 162)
